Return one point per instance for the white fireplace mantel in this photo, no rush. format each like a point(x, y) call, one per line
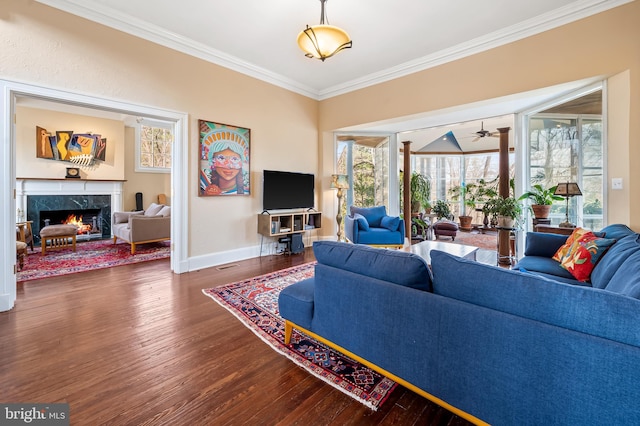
point(26, 187)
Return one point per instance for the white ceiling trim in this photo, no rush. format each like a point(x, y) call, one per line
point(507, 35)
point(153, 33)
point(123, 22)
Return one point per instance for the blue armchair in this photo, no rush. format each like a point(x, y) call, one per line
point(372, 226)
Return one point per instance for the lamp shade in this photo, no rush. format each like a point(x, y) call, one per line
point(568, 189)
point(323, 41)
point(339, 182)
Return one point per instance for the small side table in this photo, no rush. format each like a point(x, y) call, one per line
point(549, 229)
point(507, 239)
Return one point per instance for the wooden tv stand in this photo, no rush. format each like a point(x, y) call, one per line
point(279, 224)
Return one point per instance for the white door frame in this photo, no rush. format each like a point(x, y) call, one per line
point(179, 172)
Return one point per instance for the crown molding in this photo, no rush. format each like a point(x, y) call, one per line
point(136, 27)
point(153, 33)
point(559, 17)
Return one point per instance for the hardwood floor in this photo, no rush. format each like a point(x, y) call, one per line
point(137, 345)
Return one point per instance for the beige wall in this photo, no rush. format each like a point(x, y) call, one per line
point(41, 45)
point(30, 166)
point(603, 45)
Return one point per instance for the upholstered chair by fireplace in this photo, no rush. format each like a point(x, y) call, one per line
point(141, 227)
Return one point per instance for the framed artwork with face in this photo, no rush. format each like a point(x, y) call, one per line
point(224, 159)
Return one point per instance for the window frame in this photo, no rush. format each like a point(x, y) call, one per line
point(138, 134)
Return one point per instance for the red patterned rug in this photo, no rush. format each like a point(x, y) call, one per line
point(255, 303)
point(88, 256)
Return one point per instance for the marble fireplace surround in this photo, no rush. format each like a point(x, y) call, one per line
point(61, 194)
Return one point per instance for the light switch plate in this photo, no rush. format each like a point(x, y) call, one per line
point(616, 183)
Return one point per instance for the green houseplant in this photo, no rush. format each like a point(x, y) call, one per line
point(541, 200)
point(472, 195)
point(420, 192)
point(441, 209)
point(507, 210)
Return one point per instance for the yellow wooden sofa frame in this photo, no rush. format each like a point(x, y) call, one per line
point(288, 330)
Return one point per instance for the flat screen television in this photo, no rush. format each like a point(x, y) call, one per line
point(287, 190)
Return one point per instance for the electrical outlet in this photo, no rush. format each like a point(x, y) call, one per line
point(616, 183)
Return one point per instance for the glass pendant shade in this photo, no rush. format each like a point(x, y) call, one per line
point(323, 41)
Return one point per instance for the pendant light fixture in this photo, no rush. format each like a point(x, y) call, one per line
point(324, 40)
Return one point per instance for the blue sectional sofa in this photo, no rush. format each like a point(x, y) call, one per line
point(620, 258)
point(491, 344)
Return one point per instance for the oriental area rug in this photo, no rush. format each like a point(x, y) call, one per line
point(88, 256)
point(255, 303)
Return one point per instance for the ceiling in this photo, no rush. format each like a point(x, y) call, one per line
point(390, 38)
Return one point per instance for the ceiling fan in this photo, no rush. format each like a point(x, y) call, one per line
point(482, 133)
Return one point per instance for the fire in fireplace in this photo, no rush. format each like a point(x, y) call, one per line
point(83, 228)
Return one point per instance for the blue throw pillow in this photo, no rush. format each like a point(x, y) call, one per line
point(361, 221)
point(373, 214)
point(390, 222)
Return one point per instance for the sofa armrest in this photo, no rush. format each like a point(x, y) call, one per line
point(351, 229)
point(145, 228)
point(543, 244)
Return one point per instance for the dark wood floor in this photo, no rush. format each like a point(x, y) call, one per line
point(137, 345)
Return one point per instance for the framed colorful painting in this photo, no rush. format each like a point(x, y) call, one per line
point(224, 159)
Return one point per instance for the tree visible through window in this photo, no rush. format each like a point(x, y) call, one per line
point(155, 141)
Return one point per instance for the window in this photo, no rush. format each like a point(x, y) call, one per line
point(569, 148)
point(445, 172)
point(154, 141)
point(366, 160)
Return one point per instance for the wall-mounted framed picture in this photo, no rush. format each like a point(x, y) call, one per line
point(224, 159)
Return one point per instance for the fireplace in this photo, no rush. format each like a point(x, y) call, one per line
point(91, 213)
point(38, 199)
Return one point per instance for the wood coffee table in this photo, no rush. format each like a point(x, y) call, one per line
point(423, 249)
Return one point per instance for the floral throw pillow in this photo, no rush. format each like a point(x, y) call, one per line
point(583, 255)
point(575, 235)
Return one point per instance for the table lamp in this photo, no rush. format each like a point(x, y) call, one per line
point(567, 190)
point(339, 182)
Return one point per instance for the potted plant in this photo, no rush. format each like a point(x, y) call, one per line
point(420, 192)
point(441, 209)
point(507, 211)
point(541, 200)
point(473, 194)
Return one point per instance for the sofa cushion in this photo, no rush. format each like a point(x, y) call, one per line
point(295, 302)
point(373, 215)
point(626, 280)
point(584, 254)
point(616, 258)
point(153, 209)
point(543, 244)
point(390, 222)
point(165, 211)
point(616, 231)
point(544, 265)
point(122, 217)
point(361, 221)
point(395, 266)
point(380, 237)
point(584, 309)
